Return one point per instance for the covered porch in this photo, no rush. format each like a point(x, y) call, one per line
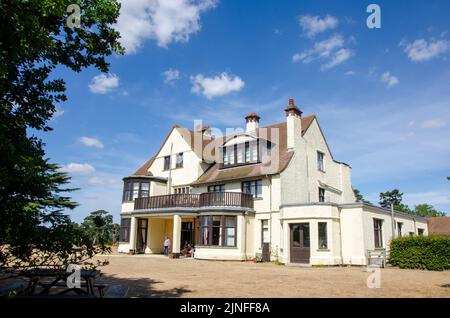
point(148, 233)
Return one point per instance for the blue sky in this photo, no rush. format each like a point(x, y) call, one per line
point(382, 96)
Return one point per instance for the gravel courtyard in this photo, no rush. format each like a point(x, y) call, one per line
point(158, 276)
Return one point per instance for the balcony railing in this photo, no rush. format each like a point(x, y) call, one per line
point(222, 199)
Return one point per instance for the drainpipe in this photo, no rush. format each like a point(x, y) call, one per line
point(393, 222)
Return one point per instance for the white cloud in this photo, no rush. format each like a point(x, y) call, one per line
point(101, 180)
point(350, 73)
point(103, 83)
point(313, 25)
point(91, 142)
point(420, 50)
point(433, 123)
point(339, 57)
point(165, 21)
point(216, 86)
point(78, 168)
point(389, 79)
point(430, 197)
point(171, 75)
point(330, 49)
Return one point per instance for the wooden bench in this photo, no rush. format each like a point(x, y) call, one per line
point(100, 287)
point(116, 291)
point(376, 257)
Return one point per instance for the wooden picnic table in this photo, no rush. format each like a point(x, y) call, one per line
point(58, 279)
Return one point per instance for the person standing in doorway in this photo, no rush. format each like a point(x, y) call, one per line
point(166, 246)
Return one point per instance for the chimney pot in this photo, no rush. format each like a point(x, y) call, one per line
point(292, 109)
point(252, 120)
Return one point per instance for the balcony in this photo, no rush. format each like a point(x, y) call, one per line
point(209, 199)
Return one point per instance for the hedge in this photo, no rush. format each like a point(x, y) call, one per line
point(423, 252)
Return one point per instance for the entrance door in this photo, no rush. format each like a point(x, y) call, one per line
point(300, 243)
point(187, 234)
point(141, 240)
point(265, 241)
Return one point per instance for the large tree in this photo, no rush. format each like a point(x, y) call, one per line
point(359, 197)
point(427, 210)
point(99, 226)
point(389, 198)
point(35, 38)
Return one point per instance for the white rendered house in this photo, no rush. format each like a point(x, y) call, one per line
point(274, 192)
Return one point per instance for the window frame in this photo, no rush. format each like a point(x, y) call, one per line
point(255, 184)
point(167, 163)
point(320, 161)
point(249, 154)
point(209, 227)
point(399, 229)
point(321, 194)
point(125, 230)
point(420, 232)
point(179, 163)
point(320, 235)
point(213, 187)
point(129, 190)
point(378, 232)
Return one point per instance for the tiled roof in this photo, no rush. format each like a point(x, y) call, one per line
point(214, 174)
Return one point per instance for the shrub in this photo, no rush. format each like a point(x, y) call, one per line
point(423, 252)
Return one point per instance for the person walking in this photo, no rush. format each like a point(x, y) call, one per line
point(166, 246)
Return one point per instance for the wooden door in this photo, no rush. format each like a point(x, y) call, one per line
point(300, 243)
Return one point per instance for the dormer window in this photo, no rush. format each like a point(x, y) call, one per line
point(240, 154)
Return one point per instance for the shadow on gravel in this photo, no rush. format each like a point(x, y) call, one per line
point(143, 287)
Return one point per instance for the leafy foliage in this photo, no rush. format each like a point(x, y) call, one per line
point(34, 40)
point(422, 252)
point(395, 197)
point(99, 227)
point(389, 198)
point(360, 197)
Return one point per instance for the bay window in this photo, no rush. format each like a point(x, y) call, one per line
point(133, 189)
point(217, 231)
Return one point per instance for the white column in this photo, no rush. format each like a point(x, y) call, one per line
point(176, 236)
point(241, 238)
point(133, 229)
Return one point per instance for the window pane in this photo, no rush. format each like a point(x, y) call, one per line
point(253, 152)
point(296, 235)
point(135, 190)
point(247, 152)
point(216, 235)
point(179, 163)
point(240, 153)
point(166, 162)
point(230, 221)
point(323, 241)
point(230, 236)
